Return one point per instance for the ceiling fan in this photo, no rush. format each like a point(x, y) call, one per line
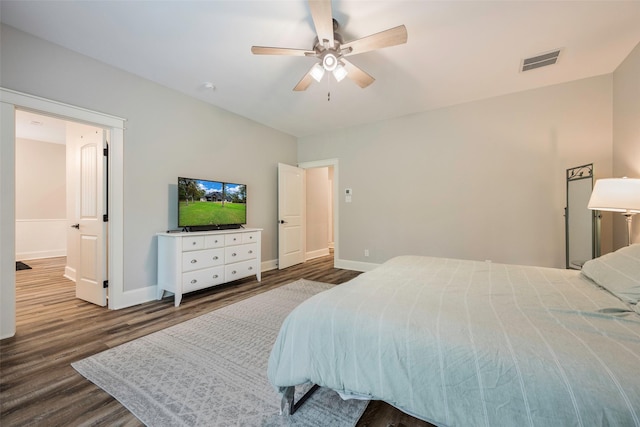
point(330, 49)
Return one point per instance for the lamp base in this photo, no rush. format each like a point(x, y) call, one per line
point(628, 216)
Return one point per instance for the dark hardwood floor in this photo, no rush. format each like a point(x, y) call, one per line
point(38, 386)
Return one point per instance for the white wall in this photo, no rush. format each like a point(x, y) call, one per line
point(167, 135)
point(483, 180)
point(40, 199)
point(626, 135)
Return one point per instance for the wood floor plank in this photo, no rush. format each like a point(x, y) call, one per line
point(38, 386)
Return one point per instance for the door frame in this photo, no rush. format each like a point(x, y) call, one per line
point(336, 202)
point(11, 100)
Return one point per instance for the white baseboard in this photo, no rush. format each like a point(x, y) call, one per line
point(140, 296)
point(269, 265)
point(2, 337)
point(149, 293)
point(21, 256)
point(40, 238)
point(70, 273)
point(354, 265)
point(316, 254)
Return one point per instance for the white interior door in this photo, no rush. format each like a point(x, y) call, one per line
point(291, 215)
point(88, 225)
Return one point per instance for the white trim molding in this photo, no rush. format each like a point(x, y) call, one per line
point(11, 101)
point(355, 265)
point(41, 238)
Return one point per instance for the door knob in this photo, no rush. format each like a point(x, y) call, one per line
point(76, 226)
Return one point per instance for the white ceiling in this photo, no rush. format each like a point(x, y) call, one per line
point(457, 51)
point(40, 128)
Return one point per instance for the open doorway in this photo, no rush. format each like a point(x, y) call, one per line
point(319, 209)
point(307, 212)
point(60, 202)
point(325, 237)
point(13, 101)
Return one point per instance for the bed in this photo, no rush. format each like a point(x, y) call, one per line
point(469, 343)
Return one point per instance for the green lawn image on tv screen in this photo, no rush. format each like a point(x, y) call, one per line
point(212, 213)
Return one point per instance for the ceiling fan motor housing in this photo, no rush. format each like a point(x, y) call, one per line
point(329, 55)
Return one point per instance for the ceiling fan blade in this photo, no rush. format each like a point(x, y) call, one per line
point(304, 83)
point(361, 78)
point(263, 50)
point(391, 37)
point(322, 20)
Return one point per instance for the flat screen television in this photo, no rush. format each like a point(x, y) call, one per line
point(211, 205)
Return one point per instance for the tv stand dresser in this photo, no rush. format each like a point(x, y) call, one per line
point(192, 261)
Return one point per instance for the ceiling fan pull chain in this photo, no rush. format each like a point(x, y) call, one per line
point(328, 88)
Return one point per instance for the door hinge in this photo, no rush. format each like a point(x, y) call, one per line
point(105, 218)
point(105, 151)
point(105, 284)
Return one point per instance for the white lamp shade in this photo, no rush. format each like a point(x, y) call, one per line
point(340, 72)
point(317, 72)
point(616, 194)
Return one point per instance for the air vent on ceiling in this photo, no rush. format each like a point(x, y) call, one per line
point(541, 60)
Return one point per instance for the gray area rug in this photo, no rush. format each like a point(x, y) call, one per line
point(211, 370)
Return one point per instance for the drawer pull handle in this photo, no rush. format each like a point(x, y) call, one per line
point(193, 243)
point(250, 268)
point(233, 272)
point(250, 252)
point(215, 276)
point(193, 261)
point(233, 254)
point(194, 281)
point(215, 258)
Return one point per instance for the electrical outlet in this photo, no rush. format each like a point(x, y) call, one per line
point(366, 252)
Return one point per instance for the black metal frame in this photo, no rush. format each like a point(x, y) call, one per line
point(288, 401)
point(575, 174)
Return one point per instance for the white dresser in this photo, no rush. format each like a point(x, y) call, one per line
point(191, 261)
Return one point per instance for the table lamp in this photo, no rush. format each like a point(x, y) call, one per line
point(617, 195)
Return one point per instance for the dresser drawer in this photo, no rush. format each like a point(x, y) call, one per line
point(197, 260)
point(192, 243)
point(214, 241)
point(240, 270)
point(240, 252)
point(251, 237)
point(202, 279)
point(233, 239)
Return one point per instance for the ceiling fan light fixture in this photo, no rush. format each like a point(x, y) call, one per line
point(340, 72)
point(317, 72)
point(329, 62)
point(329, 48)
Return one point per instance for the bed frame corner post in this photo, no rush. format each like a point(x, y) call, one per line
point(287, 404)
